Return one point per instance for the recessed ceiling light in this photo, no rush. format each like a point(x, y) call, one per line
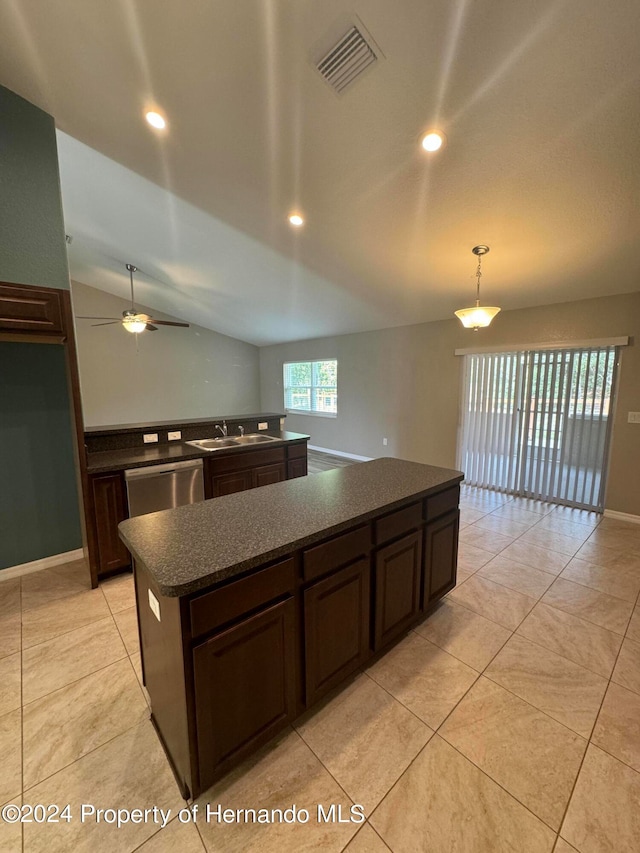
point(433, 140)
point(296, 220)
point(155, 120)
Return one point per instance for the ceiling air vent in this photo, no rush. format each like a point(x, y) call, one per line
point(346, 60)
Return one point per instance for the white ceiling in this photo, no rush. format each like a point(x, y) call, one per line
point(539, 100)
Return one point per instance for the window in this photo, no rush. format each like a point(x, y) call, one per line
point(311, 387)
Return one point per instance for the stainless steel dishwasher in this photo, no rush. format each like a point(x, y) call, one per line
point(164, 486)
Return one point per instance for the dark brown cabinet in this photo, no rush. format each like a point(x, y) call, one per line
point(267, 474)
point(229, 665)
point(244, 682)
point(296, 468)
point(110, 508)
point(398, 576)
point(237, 472)
point(34, 310)
point(227, 484)
point(440, 556)
point(336, 623)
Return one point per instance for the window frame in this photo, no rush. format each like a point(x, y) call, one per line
point(314, 413)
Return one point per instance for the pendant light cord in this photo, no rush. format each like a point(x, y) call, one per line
point(478, 276)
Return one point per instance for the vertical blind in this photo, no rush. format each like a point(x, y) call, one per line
point(536, 423)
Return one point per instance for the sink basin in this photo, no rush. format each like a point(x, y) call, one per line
point(213, 443)
point(228, 441)
point(253, 438)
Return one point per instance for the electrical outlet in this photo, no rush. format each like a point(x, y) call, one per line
point(174, 436)
point(150, 437)
point(154, 604)
point(263, 425)
point(634, 418)
point(385, 442)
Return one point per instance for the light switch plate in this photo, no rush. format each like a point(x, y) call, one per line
point(263, 425)
point(150, 437)
point(634, 418)
point(154, 604)
point(174, 436)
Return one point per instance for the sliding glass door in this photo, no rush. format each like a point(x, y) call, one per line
point(536, 423)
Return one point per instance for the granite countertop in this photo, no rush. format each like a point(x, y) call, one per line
point(178, 451)
point(192, 547)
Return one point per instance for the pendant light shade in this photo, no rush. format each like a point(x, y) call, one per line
point(478, 316)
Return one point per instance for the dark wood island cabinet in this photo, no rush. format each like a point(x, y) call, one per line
point(254, 606)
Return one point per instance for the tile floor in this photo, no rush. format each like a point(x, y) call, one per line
point(508, 720)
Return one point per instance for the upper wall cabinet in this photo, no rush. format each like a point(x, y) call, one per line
point(31, 310)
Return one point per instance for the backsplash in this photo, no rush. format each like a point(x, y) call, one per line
point(126, 437)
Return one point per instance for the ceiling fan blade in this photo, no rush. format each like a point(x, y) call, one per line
point(168, 323)
point(115, 319)
point(150, 328)
point(110, 323)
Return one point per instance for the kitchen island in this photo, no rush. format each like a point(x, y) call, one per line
point(253, 606)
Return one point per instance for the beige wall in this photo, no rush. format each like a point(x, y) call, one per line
point(175, 373)
point(404, 383)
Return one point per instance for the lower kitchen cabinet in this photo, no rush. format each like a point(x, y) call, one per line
point(297, 468)
point(110, 508)
point(398, 577)
point(440, 556)
point(336, 622)
point(267, 474)
point(245, 687)
point(227, 484)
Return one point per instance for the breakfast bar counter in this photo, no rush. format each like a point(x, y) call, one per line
point(253, 606)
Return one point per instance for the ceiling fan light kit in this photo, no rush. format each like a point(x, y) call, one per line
point(133, 321)
point(478, 316)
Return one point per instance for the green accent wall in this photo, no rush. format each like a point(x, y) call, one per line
point(32, 245)
point(39, 510)
point(38, 495)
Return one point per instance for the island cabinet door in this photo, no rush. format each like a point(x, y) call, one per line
point(244, 688)
point(398, 578)
point(336, 621)
point(440, 556)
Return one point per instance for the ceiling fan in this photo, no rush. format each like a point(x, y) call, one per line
point(132, 320)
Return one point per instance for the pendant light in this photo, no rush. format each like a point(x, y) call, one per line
point(474, 318)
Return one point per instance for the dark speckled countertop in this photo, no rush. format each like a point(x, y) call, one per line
point(193, 547)
point(179, 451)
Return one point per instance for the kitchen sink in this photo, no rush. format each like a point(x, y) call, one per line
point(228, 441)
point(253, 438)
point(213, 443)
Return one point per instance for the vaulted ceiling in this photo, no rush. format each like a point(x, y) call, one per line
point(539, 101)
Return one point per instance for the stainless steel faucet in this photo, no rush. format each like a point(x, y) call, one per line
point(241, 430)
point(223, 428)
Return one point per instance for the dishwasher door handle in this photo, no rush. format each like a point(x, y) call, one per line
point(167, 468)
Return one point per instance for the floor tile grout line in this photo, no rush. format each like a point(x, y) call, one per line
point(590, 740)
point(84, 755)
point(66, 633)
point(76, 680)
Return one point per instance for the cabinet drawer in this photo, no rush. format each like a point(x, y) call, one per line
point(230, 602)
point(444, 502)
point(239, 461)
point(397, 523)
point(336, 552)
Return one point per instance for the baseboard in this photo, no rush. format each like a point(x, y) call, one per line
point(38, 565)
point(622, 516)
point(341, 453)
